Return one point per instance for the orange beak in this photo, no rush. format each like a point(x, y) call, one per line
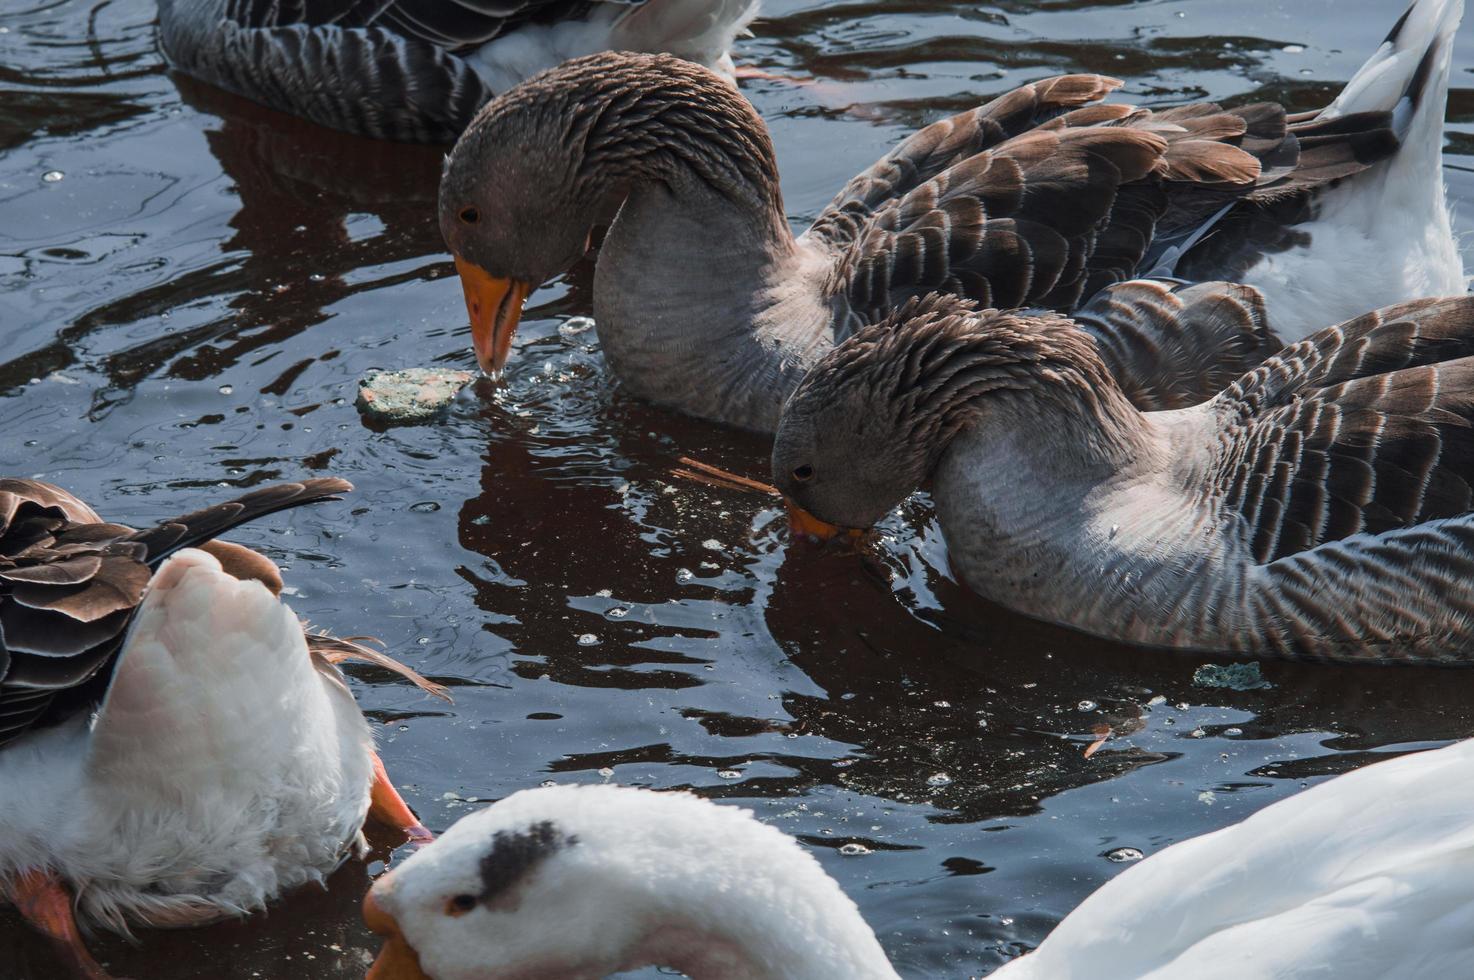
point(397, 960)
point(388, 807)
point(495, 306)
point(802, 524)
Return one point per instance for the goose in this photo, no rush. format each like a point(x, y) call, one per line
point(174, 746)
point(1368, 875)
point(705, 302)
point(417, 70)
point(1321, 507)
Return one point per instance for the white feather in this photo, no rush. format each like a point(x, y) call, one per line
point(697, 30)
point(1383, 236)
point(223, 769)
point(1369, 876)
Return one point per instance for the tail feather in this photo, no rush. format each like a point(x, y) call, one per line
point(1409, 71)
point(200, 526)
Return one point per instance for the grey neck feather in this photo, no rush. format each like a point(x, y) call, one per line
point(724, 332)
point(702, 296)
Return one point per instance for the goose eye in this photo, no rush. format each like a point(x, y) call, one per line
point(460, 905)
point(470, 215)
point(804, 473)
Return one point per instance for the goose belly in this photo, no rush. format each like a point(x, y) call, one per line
point(223, 768)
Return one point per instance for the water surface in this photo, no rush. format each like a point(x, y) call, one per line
point(190, 287)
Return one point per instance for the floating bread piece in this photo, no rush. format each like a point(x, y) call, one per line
point(1234, 677)
point(415, 395)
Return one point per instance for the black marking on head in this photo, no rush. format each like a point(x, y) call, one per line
point(515, 855)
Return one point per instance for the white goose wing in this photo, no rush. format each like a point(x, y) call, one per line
point(1369, 876)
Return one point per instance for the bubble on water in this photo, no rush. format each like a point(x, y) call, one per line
point(1124, 855)
point(617, 612)
point(1087, 706)
point(1233, 732)
point(939, 779)
point(685, 575)
point(546, 783)
point(729, 774)
point(712, 544)
point(1208, 796)
point(606, 772)
point(425, 507)
point(423, 641)
point(1293, 48)
point(854, 850)
point(1197, 733)
point(588, 640)
point(52, 176)
point(227, 389)
point(575, 325)
point(317, 277)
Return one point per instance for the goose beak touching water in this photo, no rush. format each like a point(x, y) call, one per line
point(1046, 197)
point(577, 883)
point(495, 308)
point(1366, 876)
point(174, 746)
point(1320, 507)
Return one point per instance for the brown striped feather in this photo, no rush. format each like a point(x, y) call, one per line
point(70, 585)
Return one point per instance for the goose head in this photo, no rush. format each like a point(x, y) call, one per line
point(859, 434)
point(552, 159)
point(577, 883)
point(872, 420)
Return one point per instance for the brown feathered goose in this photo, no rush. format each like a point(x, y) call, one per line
point(1320, 507)
point(174, 747)
point(1044, 197)
point(417, 70)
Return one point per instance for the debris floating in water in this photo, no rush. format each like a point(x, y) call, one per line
point(406, 397)
point(1234, 677)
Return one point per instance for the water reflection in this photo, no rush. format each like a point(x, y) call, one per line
point(191, 305)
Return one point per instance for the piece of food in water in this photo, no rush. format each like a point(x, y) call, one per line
point(1235, 677)
point(413, 395)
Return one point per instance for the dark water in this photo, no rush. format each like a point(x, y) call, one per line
point(186, 311)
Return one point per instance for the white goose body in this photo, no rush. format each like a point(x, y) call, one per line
point(1368, 876)
point(225, 767)
point(1383, 236)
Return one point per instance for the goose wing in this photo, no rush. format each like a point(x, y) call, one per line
point(1367, 427)
point(390, 69)
point(1047, 195)
point(450, 24)
point(1171, 345)
point(1039, 198)
point(71, 583)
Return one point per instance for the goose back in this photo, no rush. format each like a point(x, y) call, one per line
point(70, 585)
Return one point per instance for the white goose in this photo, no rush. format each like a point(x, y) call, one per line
point(1366, 877)
point(417, 70)
point(174, 747)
